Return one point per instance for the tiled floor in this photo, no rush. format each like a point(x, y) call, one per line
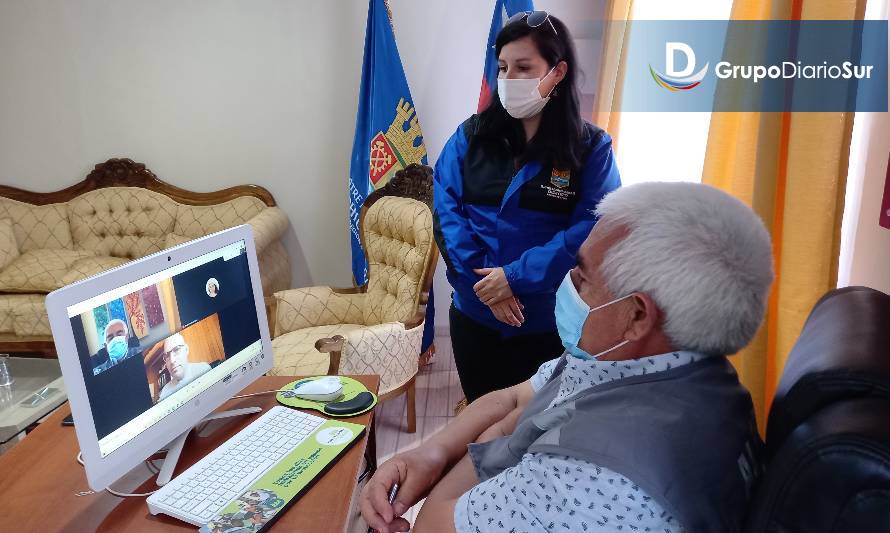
point(438, 390)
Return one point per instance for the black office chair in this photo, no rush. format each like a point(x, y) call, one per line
point(100, 357)
point(828, 431)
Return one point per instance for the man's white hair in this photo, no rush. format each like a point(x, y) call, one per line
point(114, 321)
point(703, 256)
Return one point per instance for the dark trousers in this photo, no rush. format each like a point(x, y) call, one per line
point(486, 361)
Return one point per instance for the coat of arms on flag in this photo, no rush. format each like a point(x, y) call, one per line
point(398, 147)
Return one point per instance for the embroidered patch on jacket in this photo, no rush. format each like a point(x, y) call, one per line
point(560, 178)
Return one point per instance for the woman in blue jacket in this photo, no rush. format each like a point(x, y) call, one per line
point(514, 194)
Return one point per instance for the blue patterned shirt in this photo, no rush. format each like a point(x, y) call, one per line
point(545, 492)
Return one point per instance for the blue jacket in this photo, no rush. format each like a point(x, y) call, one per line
point(531, 223)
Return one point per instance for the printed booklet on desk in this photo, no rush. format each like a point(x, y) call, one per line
point(279, 488)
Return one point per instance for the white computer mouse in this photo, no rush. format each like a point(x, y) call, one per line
point(320, 390)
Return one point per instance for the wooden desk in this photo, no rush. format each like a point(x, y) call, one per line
point(40, 477)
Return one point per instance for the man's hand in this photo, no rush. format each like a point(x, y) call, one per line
point(509, 311)
point(419, 470)
point(416, 471)
point(493, 287)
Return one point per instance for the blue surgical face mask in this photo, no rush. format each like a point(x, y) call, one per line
point(117, 348)
point(571, 313)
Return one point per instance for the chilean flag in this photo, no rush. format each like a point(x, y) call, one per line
point(503, 9)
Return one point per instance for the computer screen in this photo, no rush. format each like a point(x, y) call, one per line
point(151, 346)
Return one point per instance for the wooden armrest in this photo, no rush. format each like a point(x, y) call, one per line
point(361, 289)
point(416, 320)
point(268, 226)
point(333, 346)
point(271, 308)
point(306, 307)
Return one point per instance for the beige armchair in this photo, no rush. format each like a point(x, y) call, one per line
point(376, 328)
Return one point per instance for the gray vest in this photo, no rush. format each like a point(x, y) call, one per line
point(687, 436)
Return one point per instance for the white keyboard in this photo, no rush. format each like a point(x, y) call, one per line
point(197, 494)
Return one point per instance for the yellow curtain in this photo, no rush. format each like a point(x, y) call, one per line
point(791, 168)
point(168, 301)
point(611, 74)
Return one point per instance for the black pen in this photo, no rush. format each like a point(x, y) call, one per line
point(392, 497)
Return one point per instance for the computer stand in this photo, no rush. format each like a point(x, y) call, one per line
point(174, 449)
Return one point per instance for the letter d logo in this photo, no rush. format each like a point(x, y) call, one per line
point(670, 50)
point(678, 80)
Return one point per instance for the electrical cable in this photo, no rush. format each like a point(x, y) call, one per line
point(261, 393)
point(109, 489)
point(150, 463)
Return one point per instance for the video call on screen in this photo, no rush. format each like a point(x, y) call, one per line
point(174, 331)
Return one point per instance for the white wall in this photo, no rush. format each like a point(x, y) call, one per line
point(214, 93)
point(865, 246)
point(208, 94)
point(442, 45)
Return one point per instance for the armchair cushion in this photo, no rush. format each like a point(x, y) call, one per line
point(38, 226)
point(90, 266)
point(29, 316)
point(388, 349)
point(129, 222)
point(398, 240)
point(9, 248)
point(39, 270)
point(17, 304)
point(195, 221)
point(268, 226)
point(274, 268)
point(175, 239)
point(309, 307)
point(295, 354)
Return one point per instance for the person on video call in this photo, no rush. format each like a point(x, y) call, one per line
point(116, 344)
point(176, 361)
point(642, 424)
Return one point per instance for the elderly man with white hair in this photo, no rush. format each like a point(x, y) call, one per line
point(117, 345)
point(642, 424)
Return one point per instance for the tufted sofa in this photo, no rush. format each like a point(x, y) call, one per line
point(376, 328)
point(121, 211)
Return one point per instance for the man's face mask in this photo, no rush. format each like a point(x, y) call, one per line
point(571, 314)
point(117, 348)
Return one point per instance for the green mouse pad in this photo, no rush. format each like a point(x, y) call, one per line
point(351, 389)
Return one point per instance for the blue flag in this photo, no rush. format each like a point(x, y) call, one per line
point(387, 133)
point(503, 9)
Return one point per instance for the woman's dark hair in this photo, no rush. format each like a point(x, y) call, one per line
point(558, 141)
